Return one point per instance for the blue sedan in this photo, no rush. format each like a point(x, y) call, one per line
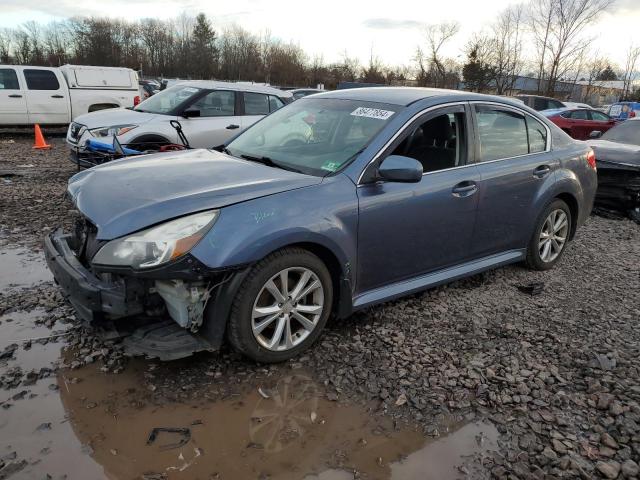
point(334, 203)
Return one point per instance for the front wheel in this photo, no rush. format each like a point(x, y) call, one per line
point(282, 306)
point(550, 237)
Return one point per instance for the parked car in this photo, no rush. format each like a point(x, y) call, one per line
point(624, 110)
point(618, 160)
point(394, 190)
point(56, 96)
point(210, 113)
point(538, 102)
point(580, 122)
point(303, 92)
point(147, 89)
point(577, 105)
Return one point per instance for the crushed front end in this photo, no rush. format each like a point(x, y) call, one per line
point(619, 188)
point(168, 311)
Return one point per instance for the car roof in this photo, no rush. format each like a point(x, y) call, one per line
point(403, 95)
point(236, 86)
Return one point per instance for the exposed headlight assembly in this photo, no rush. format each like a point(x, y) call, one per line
point(157, 245)
point(113, 131)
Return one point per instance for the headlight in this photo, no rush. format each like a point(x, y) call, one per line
point(157, 245)
point(113, 131)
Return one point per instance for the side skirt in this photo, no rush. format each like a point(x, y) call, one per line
point(423, 282)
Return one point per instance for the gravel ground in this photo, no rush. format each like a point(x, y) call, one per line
point(558, 373)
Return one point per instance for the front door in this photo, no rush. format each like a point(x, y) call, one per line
point(47, 96)
point(514, 165)
point(13, 102)
point(408, 229)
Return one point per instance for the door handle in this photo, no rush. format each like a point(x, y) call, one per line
point(15, 95)
point(232, 127)
point(57, 96)
point(464, 189)
point(541, 171)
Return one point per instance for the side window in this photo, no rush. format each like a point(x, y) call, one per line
point(219, 103)
point(275, 103)
point(41, 79)
point(537, 135)
point(599, 116)
point(8, 79)
point(555, 104)
point(540, 104)
point(256, 104)
point(580, 115)
point(438, 143)
point(502, 133)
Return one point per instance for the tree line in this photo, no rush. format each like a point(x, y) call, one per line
point(560, 32)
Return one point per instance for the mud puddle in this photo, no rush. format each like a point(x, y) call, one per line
point(280, 428)
point(20, 268)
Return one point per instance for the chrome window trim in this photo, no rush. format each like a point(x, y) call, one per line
point(451, 104)
point(401, 131)
point(522, 112)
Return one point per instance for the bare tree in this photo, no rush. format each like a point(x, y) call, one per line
point(558, 27)
point(630, 74)
point(507, 48)
point(437, 35)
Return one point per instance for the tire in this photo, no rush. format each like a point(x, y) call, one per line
point(536, 252)
point(262, 343)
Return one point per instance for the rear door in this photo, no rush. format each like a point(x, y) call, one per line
point(514, 163)
point(600, 121)
point(217, 122)
point(13, 102)
point(47, 96)
point(257, 105)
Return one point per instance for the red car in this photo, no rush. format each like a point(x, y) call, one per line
point(580, 122)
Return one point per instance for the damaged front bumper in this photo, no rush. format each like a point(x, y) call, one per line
point(168, 313)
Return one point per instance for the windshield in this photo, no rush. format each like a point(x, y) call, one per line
point(166, 101)
point(626, 132)
point(317, 136)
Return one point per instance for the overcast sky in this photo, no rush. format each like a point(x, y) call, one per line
point(392, 29)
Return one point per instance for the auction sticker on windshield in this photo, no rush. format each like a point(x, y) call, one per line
point(372, 113)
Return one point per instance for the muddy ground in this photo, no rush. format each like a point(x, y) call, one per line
point(473, 380)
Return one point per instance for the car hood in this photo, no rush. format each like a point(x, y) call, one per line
point(614, 154)
point(114, 116)
point(127, 195)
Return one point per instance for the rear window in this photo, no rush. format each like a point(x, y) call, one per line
point(41, 80)
point(8, 79)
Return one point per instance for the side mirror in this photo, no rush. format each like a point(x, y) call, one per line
point(191, 113)
point(397, 168)
point(595, 134)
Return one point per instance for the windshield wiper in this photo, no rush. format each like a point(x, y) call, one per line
point(270, 163)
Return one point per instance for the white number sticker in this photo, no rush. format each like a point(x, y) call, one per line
point(372, 113)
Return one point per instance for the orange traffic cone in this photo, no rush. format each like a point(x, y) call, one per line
point(40, 144)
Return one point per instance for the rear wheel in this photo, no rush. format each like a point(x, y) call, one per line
point(282, 306)
point(550, 237)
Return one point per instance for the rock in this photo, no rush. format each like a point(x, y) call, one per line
point(604, 400)
point(630, 469)
point(608, 440)
point(609, 469)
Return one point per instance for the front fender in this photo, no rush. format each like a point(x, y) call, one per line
point(325, 214)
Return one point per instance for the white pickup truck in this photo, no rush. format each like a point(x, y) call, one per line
point(55, 96)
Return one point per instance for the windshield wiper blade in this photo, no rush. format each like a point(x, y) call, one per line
point(269, 162)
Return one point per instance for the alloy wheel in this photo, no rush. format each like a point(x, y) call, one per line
point(287, 309)
point(553, 235)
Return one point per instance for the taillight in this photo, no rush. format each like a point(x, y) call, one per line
point(136, 100)
point(591, 159)
point(632, 114)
